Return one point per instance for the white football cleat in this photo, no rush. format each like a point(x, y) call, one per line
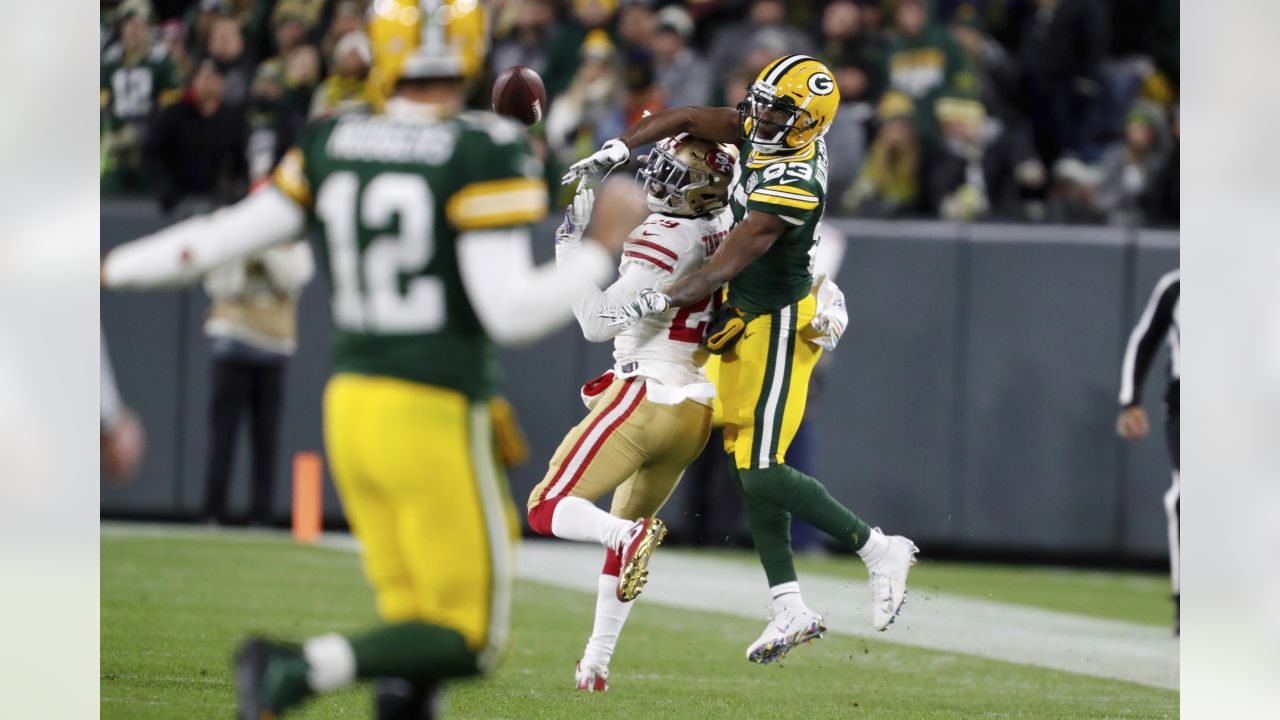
point(787, 628)
point(888, 576)
point(592, 678)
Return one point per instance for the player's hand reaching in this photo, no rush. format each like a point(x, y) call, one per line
point(1132, 423)
point(831, 317)
point(576, 216)
point(648, 302)
point(613, 153)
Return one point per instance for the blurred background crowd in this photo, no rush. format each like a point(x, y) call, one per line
point(1060, 111)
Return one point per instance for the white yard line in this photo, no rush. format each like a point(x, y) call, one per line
point(999, 631)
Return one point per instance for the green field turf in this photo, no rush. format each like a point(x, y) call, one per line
point(1140, 597)
point(173, 609)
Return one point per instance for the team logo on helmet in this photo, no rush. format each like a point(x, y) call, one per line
point(720, 162)
point(821, 84)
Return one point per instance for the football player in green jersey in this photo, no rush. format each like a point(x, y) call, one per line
point(423, 217)
point(768, 336)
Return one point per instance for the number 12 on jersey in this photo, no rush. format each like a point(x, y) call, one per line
point(377, 304)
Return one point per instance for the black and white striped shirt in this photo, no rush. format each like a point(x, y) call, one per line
point(1160, 321)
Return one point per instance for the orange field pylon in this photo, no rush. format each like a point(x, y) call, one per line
point(308, 496)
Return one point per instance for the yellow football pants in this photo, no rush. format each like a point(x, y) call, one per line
point(763, 384)
point(416, 469)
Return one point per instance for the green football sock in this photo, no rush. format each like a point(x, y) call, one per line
point(770, 528)
point(416, 651)
point(806, 498)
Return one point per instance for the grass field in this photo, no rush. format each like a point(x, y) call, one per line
point(174, 607)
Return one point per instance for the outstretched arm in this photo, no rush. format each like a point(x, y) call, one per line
point(715, 124)
point(750, 239)
point(709, 123)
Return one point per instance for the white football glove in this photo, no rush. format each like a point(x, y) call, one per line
point(831, 316)
point(576, 217)
point(610, 155)
point(648, 302)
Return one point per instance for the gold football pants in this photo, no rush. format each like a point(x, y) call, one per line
point(763, 384)
point(626, 444)
point(416, 469)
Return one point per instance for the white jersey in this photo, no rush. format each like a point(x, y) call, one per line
point(663, 348)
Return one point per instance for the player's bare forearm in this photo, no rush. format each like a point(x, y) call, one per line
point(749, 240)
point(708, 123)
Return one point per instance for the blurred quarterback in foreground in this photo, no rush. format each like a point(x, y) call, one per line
point(765, 330)
point(423, 215)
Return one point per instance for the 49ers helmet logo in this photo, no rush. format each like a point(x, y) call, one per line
point(821, 83)
point(720, 161)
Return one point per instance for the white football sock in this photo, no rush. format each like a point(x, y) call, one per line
point(874, 547)
point(787, 595)
point(579, 519)
point(331, 661)
point(611, 614)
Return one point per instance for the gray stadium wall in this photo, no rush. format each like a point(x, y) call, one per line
point(970, 404)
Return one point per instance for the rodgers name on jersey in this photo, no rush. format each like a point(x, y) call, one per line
point(794, 188)
point(667, 347)
point(390, 197)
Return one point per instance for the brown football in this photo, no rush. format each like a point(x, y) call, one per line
point(519, 93)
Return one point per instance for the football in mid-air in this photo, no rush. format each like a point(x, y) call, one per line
point(519, 93)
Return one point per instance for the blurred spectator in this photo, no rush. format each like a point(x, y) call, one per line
point(735, 88)
point(889, 182)
point(250, 15)
point(137, 79)
point(981, 169)
point(847, 138)
point(1129, 171)
point(997, 77)
point(227, 49)
point(636, 23)
point(197, 147)
point(683, 75)
point(347, 18)
point(1164, 199)
point(173, 37)
point(1063, 44)
point(565, 52)
point(847, 42)
point(643, 94)
point(527, 44)
point(281, 100)
point(1071, 194)
point(291, 22)
point(733, 44)
point(587, 113)
point(252, 329)
point(347, 88)
point(923, 60)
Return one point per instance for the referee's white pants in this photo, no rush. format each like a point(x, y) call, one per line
point(1172, 509)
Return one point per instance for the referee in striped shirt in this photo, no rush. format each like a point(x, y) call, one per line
point(1159, 323)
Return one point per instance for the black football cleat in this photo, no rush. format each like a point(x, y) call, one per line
point(400, 699)
point(271, 677)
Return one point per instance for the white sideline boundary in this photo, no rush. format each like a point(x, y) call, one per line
point(1097, 647)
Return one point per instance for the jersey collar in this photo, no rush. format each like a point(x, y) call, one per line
point(759, 159)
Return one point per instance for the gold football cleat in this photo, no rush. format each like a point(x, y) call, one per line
point(645, 537)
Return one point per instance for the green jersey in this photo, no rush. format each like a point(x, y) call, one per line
point(793, 187)
point(129, 92)
point(390, 197)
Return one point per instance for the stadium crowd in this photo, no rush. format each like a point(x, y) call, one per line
point(1011, 110)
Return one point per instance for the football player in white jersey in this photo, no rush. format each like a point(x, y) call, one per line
point(650, 415)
